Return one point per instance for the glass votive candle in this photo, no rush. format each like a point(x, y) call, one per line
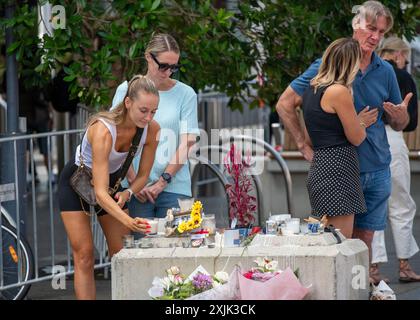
point(209, 223)
point(161, 226)
point(304, 228)
point(270, 227)
point(293, 225)
point(153, 226)
point(128, 241)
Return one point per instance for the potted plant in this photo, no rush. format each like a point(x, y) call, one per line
point(242, 204)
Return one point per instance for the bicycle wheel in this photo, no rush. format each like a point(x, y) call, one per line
point(10, 264)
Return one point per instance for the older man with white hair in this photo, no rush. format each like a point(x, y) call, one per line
point(375, 91)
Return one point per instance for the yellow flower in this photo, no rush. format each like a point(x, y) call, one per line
point(182, 227)
point(197, 222)
point(195, 215)
point(190, 225)
point(197, 205)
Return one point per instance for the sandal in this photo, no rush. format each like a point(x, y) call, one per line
point(406, 273)
point(374, 276)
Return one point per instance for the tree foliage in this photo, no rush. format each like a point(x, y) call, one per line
point(104, 42)
point(290, 34)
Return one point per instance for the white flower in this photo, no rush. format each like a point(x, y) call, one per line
point(166, 282)
point(272, 265)
point(260, 262)
point(174, 270)
point(221, 277)
point(266, 264)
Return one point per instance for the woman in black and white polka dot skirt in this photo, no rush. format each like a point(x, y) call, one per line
point(335, 129)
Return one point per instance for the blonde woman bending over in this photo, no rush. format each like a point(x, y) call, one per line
point(104, 149)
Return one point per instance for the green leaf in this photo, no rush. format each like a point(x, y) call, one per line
point(69, 78)
point(155, 4)
point(132, 51)
point(13, 46)
point(68, 70)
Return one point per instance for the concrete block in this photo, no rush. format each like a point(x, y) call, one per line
point(334, 271)
point(303, 240)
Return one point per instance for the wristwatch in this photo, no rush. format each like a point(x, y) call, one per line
point(167, 177)
point(130, 192)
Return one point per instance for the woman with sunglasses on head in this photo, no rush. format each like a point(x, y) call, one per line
point(104, 149)
point(170, 177)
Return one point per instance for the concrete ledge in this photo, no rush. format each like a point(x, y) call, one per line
point(337, 271)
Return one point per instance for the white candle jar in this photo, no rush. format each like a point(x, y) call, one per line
point(209, 223)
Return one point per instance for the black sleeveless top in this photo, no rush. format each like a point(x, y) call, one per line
point(324, 129)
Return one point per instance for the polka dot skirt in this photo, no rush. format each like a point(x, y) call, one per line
point(334, 182)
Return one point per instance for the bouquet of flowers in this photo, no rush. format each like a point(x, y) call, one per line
point(184, 222)
point(266, 282)
point(194, 221)
point(176, 286)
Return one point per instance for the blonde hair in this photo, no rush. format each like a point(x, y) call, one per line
point(371, 10)
point(135, 85)
point(340, 64)
point(162, 42)
point(393, 44)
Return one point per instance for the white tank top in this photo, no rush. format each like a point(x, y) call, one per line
point(116, 159)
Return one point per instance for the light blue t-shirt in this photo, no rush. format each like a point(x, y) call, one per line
point(371, 88)
point(176, 115)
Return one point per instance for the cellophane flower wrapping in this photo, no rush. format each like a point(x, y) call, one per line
point(277, 286)
point(226, 291)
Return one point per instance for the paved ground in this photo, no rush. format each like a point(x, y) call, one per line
point(44, 290)
point(404, 291)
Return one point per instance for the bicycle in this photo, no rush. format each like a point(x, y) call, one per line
point(9, 260)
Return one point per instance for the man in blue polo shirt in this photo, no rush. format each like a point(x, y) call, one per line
point(375, 92)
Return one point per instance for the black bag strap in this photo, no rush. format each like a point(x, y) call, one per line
point(331, 229)
point(130, 156)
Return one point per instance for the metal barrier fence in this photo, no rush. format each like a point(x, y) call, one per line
point(42, 228)
point(213, 113)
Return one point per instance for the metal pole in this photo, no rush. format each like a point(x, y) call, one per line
point(13, 170)
point(11, 78)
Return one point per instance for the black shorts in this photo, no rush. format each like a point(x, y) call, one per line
point(69, 200)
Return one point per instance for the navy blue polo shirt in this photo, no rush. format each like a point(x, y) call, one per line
point(375, 86)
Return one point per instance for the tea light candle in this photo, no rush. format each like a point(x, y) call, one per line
point(128, 241)
point(270, 227)
point(161, 226)
point(209, 223)
point(293, 225)
point(153, 226)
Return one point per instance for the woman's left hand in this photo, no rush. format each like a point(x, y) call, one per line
point(122, 197)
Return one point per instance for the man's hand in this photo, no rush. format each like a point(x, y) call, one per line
point(307, 152)
point(150, 193)
point(397, 114)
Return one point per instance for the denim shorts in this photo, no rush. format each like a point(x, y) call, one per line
point(163, 202)
point(376, 190)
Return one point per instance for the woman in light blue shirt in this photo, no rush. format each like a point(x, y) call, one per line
point(170, 177)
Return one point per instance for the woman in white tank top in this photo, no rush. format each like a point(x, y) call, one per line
point(104, 149)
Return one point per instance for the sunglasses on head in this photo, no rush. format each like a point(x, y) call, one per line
point(165, 66)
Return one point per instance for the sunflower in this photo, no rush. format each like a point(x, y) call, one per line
point(182, 227)
point(190, 225)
